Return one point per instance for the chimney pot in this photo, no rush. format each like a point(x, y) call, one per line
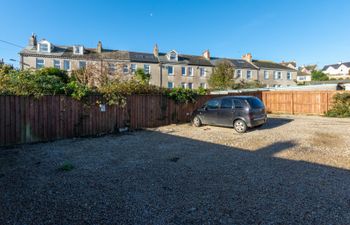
point(156, 50)
point(206, 54)
point(32, 41)
point(99, 47)
point(248, 57)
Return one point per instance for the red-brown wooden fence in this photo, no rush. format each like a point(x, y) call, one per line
point(28, 120)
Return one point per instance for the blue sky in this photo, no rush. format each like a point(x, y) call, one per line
point(314, 31)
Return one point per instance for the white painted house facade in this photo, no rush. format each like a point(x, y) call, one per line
point(340, 70)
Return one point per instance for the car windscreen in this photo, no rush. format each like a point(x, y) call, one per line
point(255, 103)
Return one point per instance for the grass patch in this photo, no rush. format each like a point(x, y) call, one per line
point(66, 166)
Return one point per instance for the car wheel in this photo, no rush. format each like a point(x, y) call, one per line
point(196, 121)
point(240, 126)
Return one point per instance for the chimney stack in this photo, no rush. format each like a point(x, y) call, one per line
point(156, 50)
point(247, 57)
point(206, 54)
point(99, 47)
point(32, 41)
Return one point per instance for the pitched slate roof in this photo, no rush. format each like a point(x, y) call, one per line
point(185, 59)
point(270, 65)
point(335, 66)
point(142, 57)
point(301, 73)
point(236, 63)
point(287, 63)
point(89, 53)
point(107, 54)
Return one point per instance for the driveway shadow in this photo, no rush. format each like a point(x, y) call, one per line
point(273, 122)
point(158, 178)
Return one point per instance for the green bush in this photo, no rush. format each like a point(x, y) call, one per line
point(247, 84)
point(184, 95)
point(341, 107)
point(30, 83)
point(52, 81)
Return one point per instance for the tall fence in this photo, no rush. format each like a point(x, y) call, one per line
point(28, 120)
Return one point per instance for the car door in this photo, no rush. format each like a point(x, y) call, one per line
point(211, 109)
point(226, 112)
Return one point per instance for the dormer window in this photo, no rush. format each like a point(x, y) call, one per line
point(78, 50)
point(172, 56)
point(44, 46)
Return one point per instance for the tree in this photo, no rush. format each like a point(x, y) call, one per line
point(142, 76)
point(222, 76)
point(318, 75)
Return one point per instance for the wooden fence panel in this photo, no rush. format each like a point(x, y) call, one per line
point(27, 120)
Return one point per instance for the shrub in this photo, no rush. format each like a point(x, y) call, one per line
point(341, 107)
point(30, 83)
point(52, 81)
point(222, 76)
point(183, 95)
point(142, 76)
point(247, 84)
point(319, 76)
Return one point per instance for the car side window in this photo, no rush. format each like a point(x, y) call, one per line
point(238, 104)
point(226, 103)
point(213, 104)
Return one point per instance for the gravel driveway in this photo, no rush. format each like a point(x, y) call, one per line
point(295, 170)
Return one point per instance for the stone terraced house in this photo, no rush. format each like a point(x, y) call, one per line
point(169, 69)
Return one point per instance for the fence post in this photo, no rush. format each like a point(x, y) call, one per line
point(292, 103)
point(327, 103)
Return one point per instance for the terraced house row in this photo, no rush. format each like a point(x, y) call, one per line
point(169, 69)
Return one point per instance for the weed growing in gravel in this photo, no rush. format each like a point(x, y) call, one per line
point(66, 166)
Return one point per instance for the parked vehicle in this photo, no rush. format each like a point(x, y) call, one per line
point(239, 112)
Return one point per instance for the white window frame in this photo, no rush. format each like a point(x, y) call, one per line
point(289, 76)
point(183, 85)
point(47, 47)
point(277, 75)
point(239, 73)
point(133, 68)
point(125, 69)
point(183, 69)
point(111, 68)
point(149, 68)
point(82, 62)
point(190, 85)
point(64, 64)
point(172, 84)
point(172, 70)
point(203, 85)
point(266, 75)
point(36, 63)
point(59, 63)
point(44, 42)
point(173, 53)
point(190, 71)
point(202, 69)
point(80, 49)
point(250, 75)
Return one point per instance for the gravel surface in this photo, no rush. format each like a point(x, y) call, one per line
point(294, 170)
